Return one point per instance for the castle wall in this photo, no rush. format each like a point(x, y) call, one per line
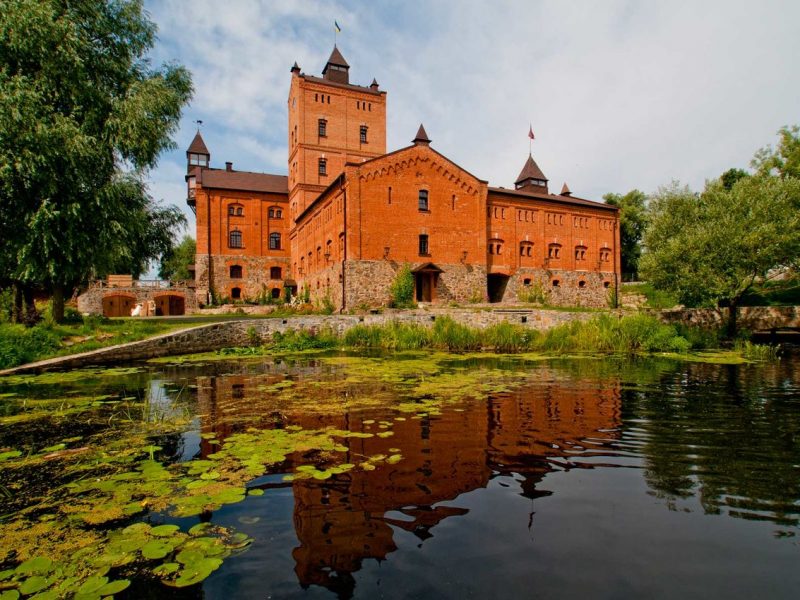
point(256, 276)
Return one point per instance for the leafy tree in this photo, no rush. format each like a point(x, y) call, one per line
point(784, 161)
point(175, 263)
point(83, 116)
point(731, 176)
point(710, 249)
point(633, 221)
point(402, 288)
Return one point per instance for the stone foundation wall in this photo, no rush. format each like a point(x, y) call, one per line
point(91, 301)
point(255, 278)
point(568, 292)
point(369, 281)
point(751, 318)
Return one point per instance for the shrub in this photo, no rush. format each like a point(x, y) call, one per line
point(533, 294)
point(327, 305)
point(20, 345)
point(505, 337)
point(401, 291)
point(304, 339)
point(452, 336)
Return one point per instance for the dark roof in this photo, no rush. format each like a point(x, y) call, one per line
point(347, 86)
point(560, 199)
point(427, 267)
point(421, 136)
point(198, 146)
point(565, 191)
point(336, 59)
point(530, 171)
point(243, 180)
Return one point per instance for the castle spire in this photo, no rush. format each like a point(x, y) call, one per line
point(336, 69)
point(197, 155)
point(531, 175)
point(421, 137)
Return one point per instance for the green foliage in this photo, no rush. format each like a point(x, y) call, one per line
point(632, 223)
point(710, 249)
point(327, 307)
point(535, 293)
point(731, 176)
point(176, 262)
point(297, 340)
point(401, 291)
point(19, 344)
point(253, 336)
point(784, 161)
point(306, 294)
point(83, 116)
point(451, 335)
point(758, 352)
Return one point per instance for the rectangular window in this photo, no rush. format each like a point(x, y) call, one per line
point(423, 200)
point(323, 166)
point(423, 245)
point(322, 127)
point(363, 134)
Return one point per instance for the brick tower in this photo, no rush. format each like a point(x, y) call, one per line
point(331, 122)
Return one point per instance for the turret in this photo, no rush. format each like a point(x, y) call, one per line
point(336, 69)
point(531, 176)
point(197, 155)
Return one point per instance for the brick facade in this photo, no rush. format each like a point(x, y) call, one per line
point(354, 214)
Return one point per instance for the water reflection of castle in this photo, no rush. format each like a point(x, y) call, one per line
point(342, 521)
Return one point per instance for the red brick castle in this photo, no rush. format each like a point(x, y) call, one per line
point(350, 215)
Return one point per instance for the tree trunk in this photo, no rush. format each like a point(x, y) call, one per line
point(31, 315)
point(17, 312)
point(732, 325)
point(57, 303)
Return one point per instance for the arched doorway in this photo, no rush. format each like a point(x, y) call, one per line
point(496, 286)
point(170, 304)
point(426, 278)
point(118, 305)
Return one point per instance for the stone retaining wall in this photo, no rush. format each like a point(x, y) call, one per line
point(751, 318)
point(206, 338)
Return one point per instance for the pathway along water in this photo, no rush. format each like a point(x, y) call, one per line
point(468, 476)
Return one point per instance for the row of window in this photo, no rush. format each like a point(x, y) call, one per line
point(236, 294)
point(235, 240)
point(237, 210)
point(322, 130)
point(582, 222)
point(198, 159)
point(235, 272)
point(322, 98)
point(361, 105)
point(557, 283)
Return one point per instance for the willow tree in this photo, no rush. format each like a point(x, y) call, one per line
point(83, 117)
point(711, 248)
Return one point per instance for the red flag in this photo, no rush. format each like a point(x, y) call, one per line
point(530, 133)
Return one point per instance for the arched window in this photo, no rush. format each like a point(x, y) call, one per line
point(236, 271)
point(239, 211)
point(580, 253)
point(274, 272)
point(554, 251)
point(275, 241)
point(271, 213)
point(423, 200)
point(235, 239)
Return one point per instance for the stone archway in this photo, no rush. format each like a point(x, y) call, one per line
point(170, 304)
point(118, 305)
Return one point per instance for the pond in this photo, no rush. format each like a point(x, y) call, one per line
point(424, 475)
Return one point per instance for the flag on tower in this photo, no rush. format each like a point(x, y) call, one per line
point(530, 133)
point(336, 26)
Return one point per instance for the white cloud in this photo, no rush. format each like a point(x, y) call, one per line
point(620, 94)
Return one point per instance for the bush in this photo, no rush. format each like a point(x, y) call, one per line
point(19, 345)
point(454, 337)
point(292, 340)
point(533, 294)
point(505, 337)
point(402, 288)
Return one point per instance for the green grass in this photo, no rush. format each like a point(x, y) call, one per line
point(19, 345)
point(655, 298)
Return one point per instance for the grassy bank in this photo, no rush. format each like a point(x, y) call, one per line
point(605, 334)
point(19, 344)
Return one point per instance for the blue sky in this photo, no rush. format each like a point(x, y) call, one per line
point(621, 95)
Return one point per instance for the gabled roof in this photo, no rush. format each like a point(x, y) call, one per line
point(530, 171)
point(198, 146)
point(336, 59)
point(245, 181)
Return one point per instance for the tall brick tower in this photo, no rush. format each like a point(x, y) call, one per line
point(331, 122)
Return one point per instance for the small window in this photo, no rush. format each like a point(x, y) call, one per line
point(580, 253)
point(423, 244)
point(231, 210)
point(239, 211)
point(323, 166)
point(236, 293)
point(522, 249)
point(556, 283)
point(606, 284)
point(423, 200)
point(389, 196)
point(235, 239)
point(322, 128)
point(526, 282)
point(491, 248)
point(554, 251)
point(581, 284)
point(271, 213)
point(236, 271)
point(529, 250)
point(274, 272)
point(276, 293)
point(278, 213)
point(274, 241)
point(363, 134)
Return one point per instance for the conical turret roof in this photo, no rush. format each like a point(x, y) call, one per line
point(336, 59)
point(198, 146)
point(565, 191)
point(530, 171)
point(422, 136)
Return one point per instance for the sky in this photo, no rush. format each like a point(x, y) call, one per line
point(621, 95)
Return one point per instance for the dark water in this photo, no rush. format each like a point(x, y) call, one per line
point(576, 478)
